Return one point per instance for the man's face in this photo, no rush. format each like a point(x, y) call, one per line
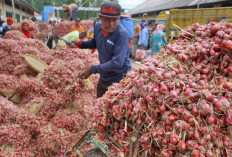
point(77, 23)
point(109, 24)
point(9, 23)
point(82, 36)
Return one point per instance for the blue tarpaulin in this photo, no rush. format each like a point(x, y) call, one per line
point(45, 13)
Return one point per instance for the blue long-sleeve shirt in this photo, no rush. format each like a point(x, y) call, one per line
point(113, 52)
point(143, 38)
point(2, 31)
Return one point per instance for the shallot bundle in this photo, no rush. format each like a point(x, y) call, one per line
point(12, 55)
point(35, 122)
point(63, 28)
point(14, 34)
point(178, 103)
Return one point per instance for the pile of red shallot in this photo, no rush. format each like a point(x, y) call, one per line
point(44, 25)
point(178, 103)
point(65, 27)
point(12, 54)
point(43, 114)
point(14, 34)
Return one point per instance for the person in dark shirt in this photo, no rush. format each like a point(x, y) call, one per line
point(36, 23)
point(112, 43)
point(10, 22)
point(2, 28)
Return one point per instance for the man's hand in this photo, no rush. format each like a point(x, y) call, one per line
point(86, 72)
point(72, 44)
point(93, 50)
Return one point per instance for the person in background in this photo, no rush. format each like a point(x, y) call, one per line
point(153, 30)
point(26, 29)
point(77, 27)
point(36, 23)
point(91, 31)
point(158, 39)
point(71, 9)
point(51, 23)
point(126, 22)
point(52, 39)
point(10, 22)
point(144, 36)
point(54, 23)
point(136, 39)
point(2, 28)
point(112, 43)
point(73, 36)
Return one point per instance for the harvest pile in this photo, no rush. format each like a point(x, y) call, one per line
point(51, 110)
point(178, 102)
point(44, 25)
point(11, 56)
point(64, 28)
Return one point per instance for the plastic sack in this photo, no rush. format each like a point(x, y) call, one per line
point(140, 54)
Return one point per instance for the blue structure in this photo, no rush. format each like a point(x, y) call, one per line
point(49, 9)
point(45, 13)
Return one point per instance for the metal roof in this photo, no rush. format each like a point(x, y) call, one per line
point(24, 3)
point(158, 5)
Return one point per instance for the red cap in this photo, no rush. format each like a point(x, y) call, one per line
point(9, 19)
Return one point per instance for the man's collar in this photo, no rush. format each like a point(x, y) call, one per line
point(104, 33)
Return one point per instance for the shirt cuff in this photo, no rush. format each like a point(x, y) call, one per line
point(79, 44)
point(93, 69)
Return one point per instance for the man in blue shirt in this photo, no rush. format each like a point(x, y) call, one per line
point(112, 42)
point(2, 28)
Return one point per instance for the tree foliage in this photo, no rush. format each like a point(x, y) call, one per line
point(38, 4)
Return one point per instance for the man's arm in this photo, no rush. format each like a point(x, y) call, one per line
point(70, 13)
point(120, 52)
point(90, 44)
point(64, 15)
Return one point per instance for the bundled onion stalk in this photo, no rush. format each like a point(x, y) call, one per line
point(179, 102)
